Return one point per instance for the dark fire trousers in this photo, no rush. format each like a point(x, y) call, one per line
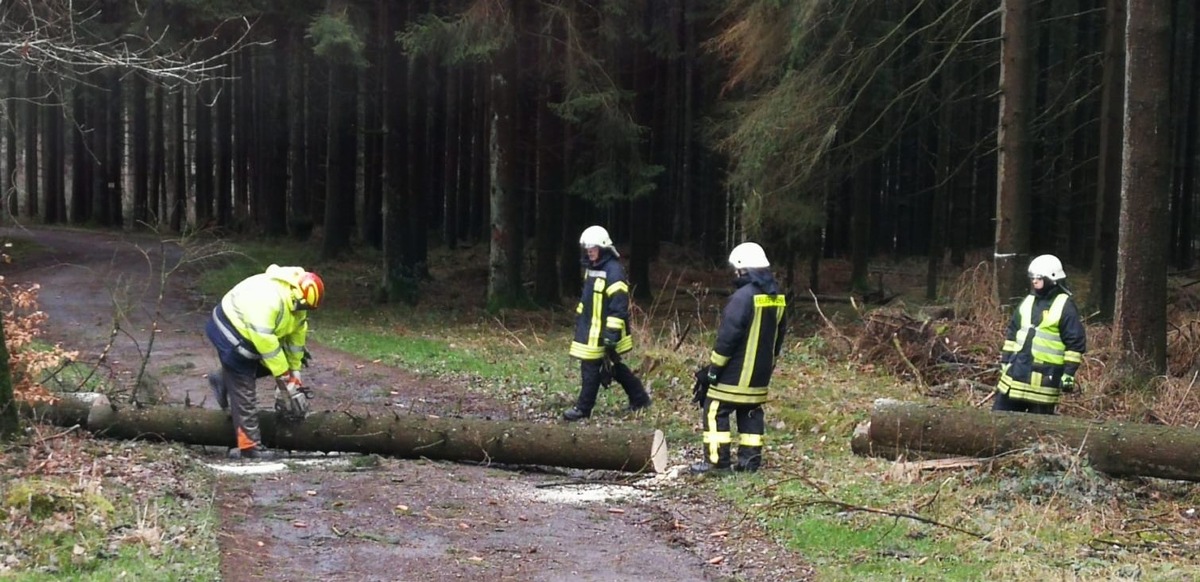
point(751, 426)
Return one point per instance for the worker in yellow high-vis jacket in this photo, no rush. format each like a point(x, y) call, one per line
point(1044, 344)
point(259, 329)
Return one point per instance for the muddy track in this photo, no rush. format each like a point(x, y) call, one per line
point(388, 520)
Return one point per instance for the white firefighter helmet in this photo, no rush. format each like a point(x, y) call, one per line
point(597, 236)
point(748, 255)
point(1047, 267)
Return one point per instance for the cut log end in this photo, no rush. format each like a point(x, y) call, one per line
point(658, 452)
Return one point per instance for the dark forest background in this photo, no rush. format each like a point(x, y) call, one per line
point(859, 129)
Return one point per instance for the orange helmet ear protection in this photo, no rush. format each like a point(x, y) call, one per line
point(312, 290)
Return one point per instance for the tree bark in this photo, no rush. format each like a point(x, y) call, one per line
point(1103, 289)
point(223, 157)
point(1014, 181)
point(504, 261)
point(141, 151)
point(178, 205)
point(1119, 449)
point(1140, 321)
point(158, 157)
point(81, 157)
point(31, 143)
point(9, 183)
point(454, 439)
point(55, 206)
point(341, 154)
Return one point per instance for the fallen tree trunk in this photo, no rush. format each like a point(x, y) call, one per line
point(455, 439)
point(1115, 448)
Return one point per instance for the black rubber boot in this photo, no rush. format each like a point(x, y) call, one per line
point(722, 464)
point(706, 468)
point(749, 459)
point(575, 414)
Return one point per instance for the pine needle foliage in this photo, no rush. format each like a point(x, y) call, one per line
point(337, 39)
point(820, 87)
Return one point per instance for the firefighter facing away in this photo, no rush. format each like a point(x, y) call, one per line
point(734, 383)
point(1044, 344)
point(259, 328)
point(602, 326)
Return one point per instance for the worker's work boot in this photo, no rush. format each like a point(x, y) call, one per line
point(722, 465)
point(253, 454)
point(749, 459)
point(575, 414)
point(706, 468)
point(636, 405)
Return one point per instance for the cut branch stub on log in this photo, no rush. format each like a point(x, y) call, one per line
point(1115, 448)
point(455, 439)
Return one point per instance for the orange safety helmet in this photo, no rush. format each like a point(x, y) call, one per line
point(312, 289)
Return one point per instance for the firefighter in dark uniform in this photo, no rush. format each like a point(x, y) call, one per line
point(602, 326)
point(1044, 344)
point(734, 383)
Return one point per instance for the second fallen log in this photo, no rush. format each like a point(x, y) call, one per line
point(457, 439)
point(1115, 448)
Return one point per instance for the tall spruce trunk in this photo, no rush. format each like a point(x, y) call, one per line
point(203, 154)
point(299, 211)
point(99, 148)
point(141, 151)
point(81, 157)
point(1140, 321)
point(1102, 295)
point(1014, 176)
point(52, 162)
point(11, 117)
point(32, 111)
point(243, 97)
point(223, 190)
point(504, 258)
point(340, 160)
point(178, 162)
point(115, 158)
point(550, 188)
point(158, 160)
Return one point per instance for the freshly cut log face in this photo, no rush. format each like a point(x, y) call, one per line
point(456, 439)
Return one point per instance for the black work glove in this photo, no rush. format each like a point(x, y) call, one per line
point(306, 359)
point(606, 374)
point(610, 338)
point(700, 388)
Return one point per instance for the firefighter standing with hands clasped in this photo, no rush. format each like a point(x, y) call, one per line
point(259, 329)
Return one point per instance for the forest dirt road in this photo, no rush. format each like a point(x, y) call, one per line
point(333, 519)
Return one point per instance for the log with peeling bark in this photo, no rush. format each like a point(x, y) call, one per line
point(1116, 448)
point(455, 439)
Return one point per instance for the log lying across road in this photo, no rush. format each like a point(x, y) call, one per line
point(1115, 448)
point(455, 439)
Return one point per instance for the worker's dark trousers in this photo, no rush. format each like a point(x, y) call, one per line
point(717, 435)
point(589, 371)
